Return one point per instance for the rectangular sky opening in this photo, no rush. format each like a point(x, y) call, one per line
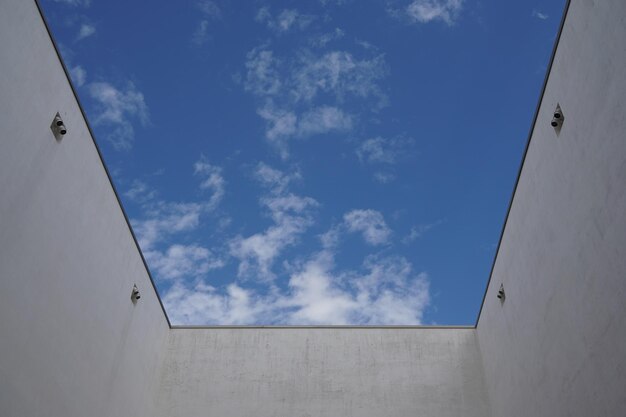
point(332, 162)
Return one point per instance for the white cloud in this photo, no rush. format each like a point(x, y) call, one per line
point(140, 192)
point(289, 90)
point(383, 177)
point(257, 253)
point(285, 20)
point(322, 40)
point(115, 108)
point(419, 231)
point(391, 292)
point(182, 261)
point(283, 125)
point(85, 31)
point(283, 206)
point(291, 216)
point(386, 291)
point(263, 78)
point(424, 11)
point(292, 18)
point(263, 14)
point(338, 73)
point(384, 151)
point(323, 120)
point(316, 296)
point(277, 181)
point(210, 9)
point(201, 36)
point(212, 180)
point(204, 304)
point(370, 223)
point(542, 16)
point(162, 222)
point(84, 3)
point(387, 152)
point(330, 239)
point(79, 75)
point(163, 219)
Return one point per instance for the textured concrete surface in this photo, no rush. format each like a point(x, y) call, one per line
point(557, 346)
point(72, 344)
point(323, 372)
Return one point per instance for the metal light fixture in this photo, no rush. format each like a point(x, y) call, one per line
point(557, 118)
point(58, 127)
point(135, 295)
point(501, 293)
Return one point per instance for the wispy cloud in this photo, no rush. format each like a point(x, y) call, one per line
point(86, 30)
point(323, 119)
point(320, 41)
point(385, 152)
point(273, 179)
point(286, 20)
point(161, 218)
point(84, 3)
point(162, 223)
point(182, 261)
point(383, 177)
point(116, 108)
point(79, 75)
point(418, 231)
point(385, 291)
point(263, 77)
point(140, 192)
point(380, 150)
point(290, 90)
point(210, 11)
point(201, 35)
point(539, 15)
point(282, 125)
point(291, 216)
point(338, 73)
point(425, 11)
point(203, 303)
point(370, 223)
point(212, 179)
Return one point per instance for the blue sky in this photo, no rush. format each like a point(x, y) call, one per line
point(318, 162)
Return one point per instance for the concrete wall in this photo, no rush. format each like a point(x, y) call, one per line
point(72, 344)
point(323, 372)
point(557, 346)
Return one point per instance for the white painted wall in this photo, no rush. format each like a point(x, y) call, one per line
point(557, 347)
point(72, 344)
point(323, 372)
